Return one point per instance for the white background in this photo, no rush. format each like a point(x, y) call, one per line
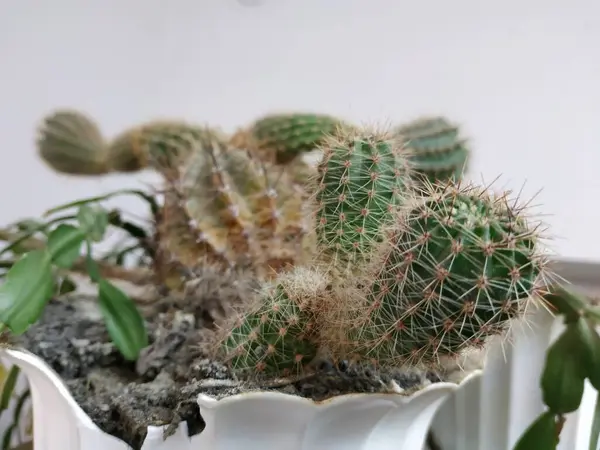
point(522, 77)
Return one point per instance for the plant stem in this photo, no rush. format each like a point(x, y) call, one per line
point(137, 276)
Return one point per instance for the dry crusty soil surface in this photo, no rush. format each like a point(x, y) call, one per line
point(123, 397)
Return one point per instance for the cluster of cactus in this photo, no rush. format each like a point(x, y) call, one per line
point(222, 205)
point(438, 153)
point(402, 275)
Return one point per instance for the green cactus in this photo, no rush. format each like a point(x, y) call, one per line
point(280, 138)
point(455, 271)
point(70, 142)
point(364, 176)
point(438, 152)
point(277, 336)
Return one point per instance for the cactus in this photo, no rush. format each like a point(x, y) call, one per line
point(452, 273)
point(226, 208)
point(70, 142)
point(277, 336)
point(364, 175)
point(280, 138)
point(161, 145)
point(438, 153)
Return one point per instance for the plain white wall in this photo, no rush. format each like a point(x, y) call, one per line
point(523, 77)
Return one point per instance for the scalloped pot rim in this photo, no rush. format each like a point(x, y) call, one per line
point(22, 357)
point(210, 402)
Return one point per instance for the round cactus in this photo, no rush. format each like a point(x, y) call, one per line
point(364, 176)
point(455, 271)
point(437, 151)
point(277, 336)
point(71, 143)
point(283, 137)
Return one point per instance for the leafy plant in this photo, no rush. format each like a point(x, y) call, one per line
point(31, 281)
point(571, 360)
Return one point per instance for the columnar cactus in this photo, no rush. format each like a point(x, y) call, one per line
point(364, 176)
point(229, 209)
point(70, 142)
point(438, 152)
point(453, 272)
point(277, 335)
point(280, 138)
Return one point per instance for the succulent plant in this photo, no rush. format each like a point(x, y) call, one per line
point(364, 176)
point(424, 275)
point(438, 152)
point(276, 335)
point(70, 142)
point(228, 209)
point(280, 138)
point(454, 271)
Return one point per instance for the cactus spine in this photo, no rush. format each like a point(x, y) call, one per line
point(454, 271)
point(438, 152)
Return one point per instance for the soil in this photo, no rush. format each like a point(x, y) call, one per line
point(160, 389)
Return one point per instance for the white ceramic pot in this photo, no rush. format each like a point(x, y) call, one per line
point(252, 421)
point(491, 412)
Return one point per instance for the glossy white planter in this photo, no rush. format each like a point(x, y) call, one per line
point(492, 411)
point(252, 421)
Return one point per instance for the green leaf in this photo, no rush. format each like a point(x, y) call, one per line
point(566, 302)
point(9, 387)
point(93, 220)
point(29, 285)
point(541, 434)
point(590, 342)
point(564, 374)
point(64, 244)
point(154, 207)
point(123, 321)
point(66, 286)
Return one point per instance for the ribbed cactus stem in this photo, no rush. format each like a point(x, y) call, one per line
point(363, 177)
point(439, 153)
point(283, 137)
point(160, 145)
point(241, 213)
point(277, 335)
point(71, 143)
point(454, 272)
